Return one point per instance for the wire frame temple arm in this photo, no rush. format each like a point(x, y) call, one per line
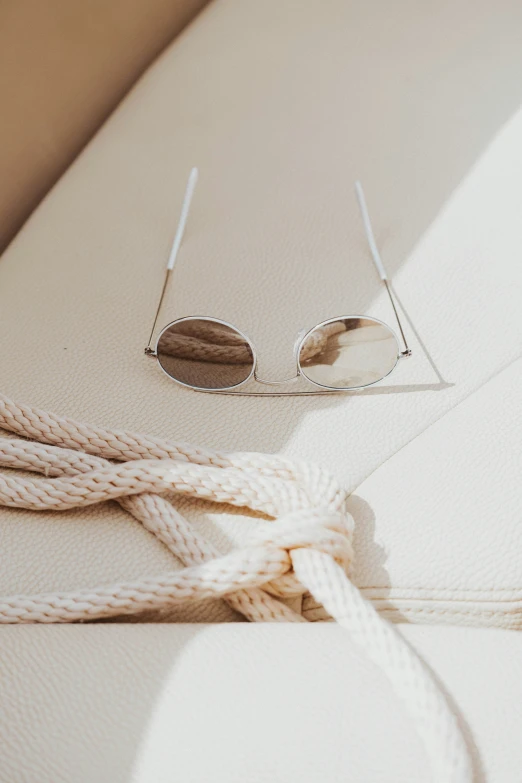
point(187, 199)
point(377, 258)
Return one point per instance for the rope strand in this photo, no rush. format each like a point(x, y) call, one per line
point(308, 547)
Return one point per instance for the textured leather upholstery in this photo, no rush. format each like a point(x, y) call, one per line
point(230, 703)
point(63, 68)
point(453, 497)
point(275, 244)
point(421, 102)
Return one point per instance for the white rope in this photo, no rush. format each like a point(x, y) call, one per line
point(308, 547)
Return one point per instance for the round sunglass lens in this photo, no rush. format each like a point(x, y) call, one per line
point(205, 354)
point(348, 353)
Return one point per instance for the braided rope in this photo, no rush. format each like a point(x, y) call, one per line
point(307, 548)
point(204, 341)
point(183, 346)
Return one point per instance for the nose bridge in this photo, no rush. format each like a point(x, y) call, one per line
point(266, 382)
point(292, 378)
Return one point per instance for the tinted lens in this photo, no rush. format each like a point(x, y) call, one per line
point(348, 353)
point(204, 353)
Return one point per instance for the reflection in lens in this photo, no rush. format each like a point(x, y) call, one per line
point(348, 353)
point(204, 353)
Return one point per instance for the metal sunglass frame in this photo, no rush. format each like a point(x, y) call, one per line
point(149, 351)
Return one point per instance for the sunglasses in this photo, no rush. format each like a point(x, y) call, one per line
point(338, 355)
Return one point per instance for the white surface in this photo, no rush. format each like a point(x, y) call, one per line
point(236, 703)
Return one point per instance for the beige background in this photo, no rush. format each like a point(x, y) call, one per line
point(64, 64)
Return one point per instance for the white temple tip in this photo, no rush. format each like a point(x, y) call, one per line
point(369, 231)
point(189, 192)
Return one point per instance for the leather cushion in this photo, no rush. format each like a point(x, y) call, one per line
point(280, 126)
point(230, 703)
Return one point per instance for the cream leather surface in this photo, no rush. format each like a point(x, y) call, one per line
point(459, 516)
point(64, 65)
point(235, 703)
point(300, 100)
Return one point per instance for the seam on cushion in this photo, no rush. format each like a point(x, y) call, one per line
point(506, 615)
point(493, 591)
point(449, 611)
point(511, 620)
point(454, 605)
point(393, 593)
point(442, 416)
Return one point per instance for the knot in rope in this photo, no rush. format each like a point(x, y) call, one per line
point(318, 529)
point(307, 548)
